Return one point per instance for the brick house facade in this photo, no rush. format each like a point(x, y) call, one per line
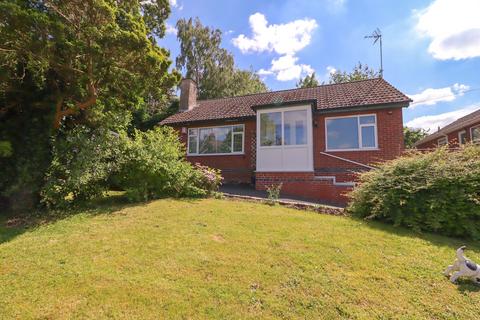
point(361, 120)
point(459, 132)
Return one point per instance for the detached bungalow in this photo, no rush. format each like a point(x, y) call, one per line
point(465, 129)
point(312, 140)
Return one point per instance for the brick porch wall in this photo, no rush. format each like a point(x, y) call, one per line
point(304, 185)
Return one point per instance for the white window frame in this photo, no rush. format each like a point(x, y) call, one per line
point(198, 154)
point(360, 147)
point(442, 138)
point(471, 134)
point(460, 136)
point(282, 112)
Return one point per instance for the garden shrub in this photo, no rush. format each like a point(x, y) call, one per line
point(154, 166)
point(437, 191)
point(83, 160)
point(147, 165)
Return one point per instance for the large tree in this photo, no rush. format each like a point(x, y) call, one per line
point(82, 52)
point(203, 59)
point(359, 72)
point(64, 62)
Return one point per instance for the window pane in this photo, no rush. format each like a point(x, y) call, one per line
point(216, 140)
point(207, 141)
point(192, 132)
point(368, 137)
point(367, 119)
point(223, 140)
point(192, 144)
point(342, 133)
point(295, 127)
point(476, 134)
point(271, 129)
point(237, 142)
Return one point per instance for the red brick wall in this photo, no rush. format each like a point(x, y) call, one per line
point(304, 185)
point(452, 138)
point(390, 144)
point(235, 168)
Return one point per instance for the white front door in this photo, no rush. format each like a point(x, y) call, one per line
point(284, 139)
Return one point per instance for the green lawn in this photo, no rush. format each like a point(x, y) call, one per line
point(229, 260)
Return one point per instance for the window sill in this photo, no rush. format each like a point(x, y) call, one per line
point(215, 154)
point(350, 150)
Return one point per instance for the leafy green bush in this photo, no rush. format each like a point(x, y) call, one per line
point(437, 191)
point(83, 160)
point(154, 166)
point(148, 165)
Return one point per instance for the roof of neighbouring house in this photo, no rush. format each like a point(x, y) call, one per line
point(469, 119)
point(331, 96)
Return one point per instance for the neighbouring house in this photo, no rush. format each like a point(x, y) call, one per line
point(459, 132)
point(312, 140)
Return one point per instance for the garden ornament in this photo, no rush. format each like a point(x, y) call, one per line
point(462, 267)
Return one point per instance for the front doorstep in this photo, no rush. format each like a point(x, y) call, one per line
point(304, 185)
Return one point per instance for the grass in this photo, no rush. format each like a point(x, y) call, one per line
point(226, 259)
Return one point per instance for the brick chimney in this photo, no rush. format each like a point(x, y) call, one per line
point(188, 95)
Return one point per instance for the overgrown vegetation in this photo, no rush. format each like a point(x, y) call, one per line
point(147, 165)
point(437, 191)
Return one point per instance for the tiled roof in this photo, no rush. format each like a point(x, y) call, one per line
point(462, 122)
point(332, 96)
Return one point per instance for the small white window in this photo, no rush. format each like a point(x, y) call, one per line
point(443, 141)
point(351, 133)
point(462, 137)
point(475, 134)
point(216, 140)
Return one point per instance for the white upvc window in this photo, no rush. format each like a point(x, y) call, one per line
point(462, 137)
point(351, 133)
point(283, 128)
point(475, 134)
point(221, 140)
point(442, 141)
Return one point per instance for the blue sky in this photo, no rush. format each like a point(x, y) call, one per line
point(431, 47)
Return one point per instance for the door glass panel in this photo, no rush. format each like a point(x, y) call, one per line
point(295, 127)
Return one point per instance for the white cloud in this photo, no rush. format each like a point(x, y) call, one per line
point(173, 3)
point(454, 28)
point(432, 96)
point(287, 38)
point(169, 29)
point(440, 120)
point(286, 68)
point(284, 39)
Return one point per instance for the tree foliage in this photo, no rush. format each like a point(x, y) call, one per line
point(83, 52)
point(65, 63)
point(308, 82)
point(411, 136)
point(213, 68)
point(359, 72)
